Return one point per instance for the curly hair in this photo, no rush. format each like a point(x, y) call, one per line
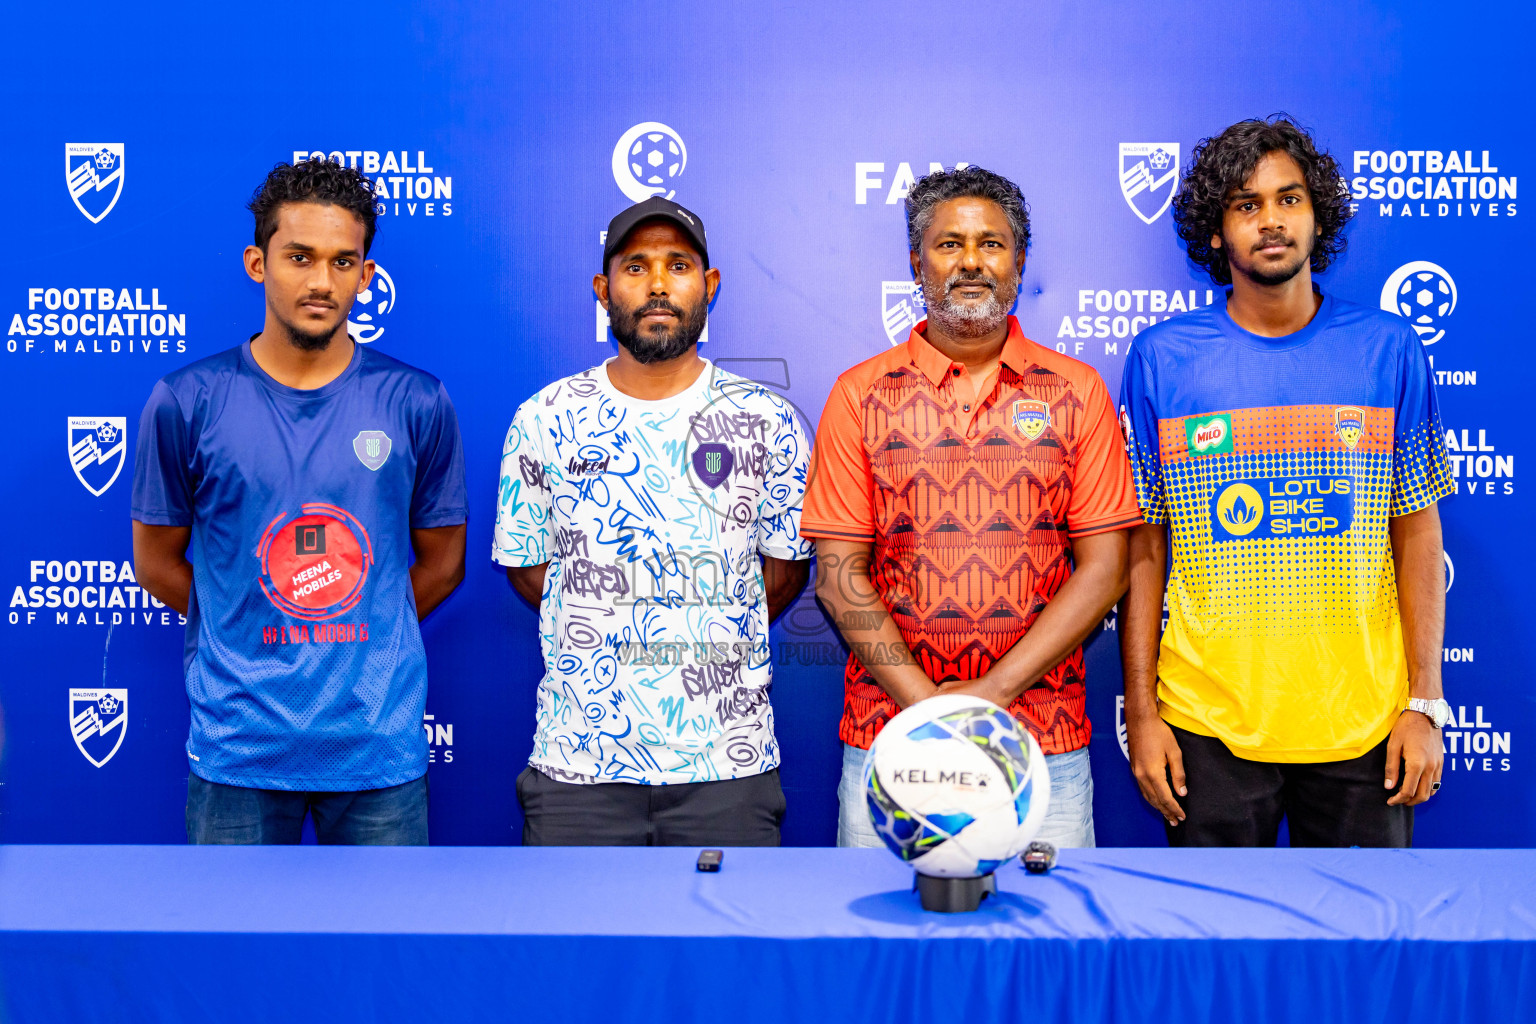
point(941, 186)
point(313, 181)
point(1219, 165)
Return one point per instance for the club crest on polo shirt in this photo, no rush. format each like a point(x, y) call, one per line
point(1209, 435)
point(1031, 416)
point(713, 463)
point(372, 448)
point(1349, 424)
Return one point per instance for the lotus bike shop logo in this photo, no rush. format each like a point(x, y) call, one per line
point(1149, 175)
point(98, 446)
point(647, 161)
point(98, 719)
point(93, 172)
point(1424, 293)
point(314, 565)
point(1349, 424)
point(1240, 509)
point(1031, 417)
point(372, 308)
point(901, 307)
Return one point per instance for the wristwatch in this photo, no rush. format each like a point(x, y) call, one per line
point(1437, 711)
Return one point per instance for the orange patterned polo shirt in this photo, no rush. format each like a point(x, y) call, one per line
point(971, 512)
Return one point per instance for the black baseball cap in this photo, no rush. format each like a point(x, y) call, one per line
point(654, 208)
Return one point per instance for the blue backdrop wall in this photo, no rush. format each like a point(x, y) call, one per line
point(502, 139)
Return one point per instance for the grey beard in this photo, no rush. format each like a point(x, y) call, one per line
point(972, 321)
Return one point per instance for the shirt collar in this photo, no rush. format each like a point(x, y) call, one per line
point(936, 365)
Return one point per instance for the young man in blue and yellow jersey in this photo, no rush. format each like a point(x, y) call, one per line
point(1288, 445)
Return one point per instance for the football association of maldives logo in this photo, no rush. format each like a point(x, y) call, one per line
point(1031, 417)
point(98, 719)
point(93, 171)
point(1149, 173)
point(1349, 424)
point(314, 564)
point(97, 446)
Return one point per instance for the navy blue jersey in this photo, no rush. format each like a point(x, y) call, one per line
point(304, 663)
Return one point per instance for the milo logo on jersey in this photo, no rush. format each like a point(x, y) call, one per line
point(1209, 435)
point(1307, 506)
point(313, 566)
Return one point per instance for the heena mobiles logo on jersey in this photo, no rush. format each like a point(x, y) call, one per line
point(372, 307)
point(93, 173)
point(1349, 424)
point(1425, 294)
point(1031, 416)
point(1149, 176)
point(372, 448)
point(647, 161)
point(314, 564)
point(98, 446)
point(901, 307)
point(1210, 436)
point(98, 718)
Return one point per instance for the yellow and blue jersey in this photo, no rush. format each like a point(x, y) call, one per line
point(1277, 463)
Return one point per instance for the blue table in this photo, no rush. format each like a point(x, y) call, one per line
point(224, 934)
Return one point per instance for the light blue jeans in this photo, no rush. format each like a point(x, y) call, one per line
point(1068, 821)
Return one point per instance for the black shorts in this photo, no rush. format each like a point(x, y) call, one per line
point(726, 812)
point(1233, 801)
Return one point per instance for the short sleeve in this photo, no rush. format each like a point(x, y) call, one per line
point(1421, 472)
point(1103, 495)
point(439, 498)
point(1138, 425)
point(778, 514)
point(524, 512)
point(839, 498)
point(162, 462)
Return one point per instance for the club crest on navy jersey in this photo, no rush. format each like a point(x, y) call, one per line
point(713, 464)
point(98, 718)
point(372, 448)
point(1031, 416)
point(1349, 424)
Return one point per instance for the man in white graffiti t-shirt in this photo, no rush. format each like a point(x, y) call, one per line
point(650, 508)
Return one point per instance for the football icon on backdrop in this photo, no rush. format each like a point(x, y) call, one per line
point(372, 308)
point(647, 161)
point(901, 307)
point(1149, 176)
point(98, 719)
point(98, 446)
point(1425, 294)
point(93, 172)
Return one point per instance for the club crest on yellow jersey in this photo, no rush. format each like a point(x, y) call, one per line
point(1349, 424)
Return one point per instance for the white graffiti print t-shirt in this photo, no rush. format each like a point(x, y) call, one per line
point(652, 516)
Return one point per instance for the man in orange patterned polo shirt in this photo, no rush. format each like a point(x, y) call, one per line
point(969, 501)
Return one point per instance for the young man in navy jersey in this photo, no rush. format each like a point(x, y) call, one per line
point(305, 471)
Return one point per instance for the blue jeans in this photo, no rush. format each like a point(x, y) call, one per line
point(235, 815)
point(1068, 820)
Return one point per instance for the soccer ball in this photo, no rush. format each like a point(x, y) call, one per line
point(1426, 298)
point(365, 323)
point(1159, 158)
point(656, 159)
point(105, 159)
point(956, 787)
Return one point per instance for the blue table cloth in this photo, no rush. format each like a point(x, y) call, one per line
point(224, 934)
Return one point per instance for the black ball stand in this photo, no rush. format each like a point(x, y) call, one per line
point(953, 895)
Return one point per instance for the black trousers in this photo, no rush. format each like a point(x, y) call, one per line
point(727, 812)
point(1236, 802)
